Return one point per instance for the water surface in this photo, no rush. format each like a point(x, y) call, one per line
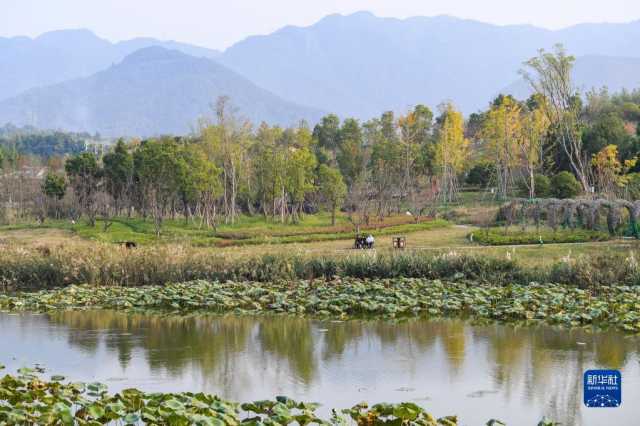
point(516, 374)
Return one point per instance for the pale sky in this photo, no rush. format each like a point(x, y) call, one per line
point(220, 23)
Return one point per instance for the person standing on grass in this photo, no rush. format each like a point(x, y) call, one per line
point(370, 240)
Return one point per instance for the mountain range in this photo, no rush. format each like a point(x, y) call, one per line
point(357, 65)
point(152, 91)
point(362, 64)
point(63, 55)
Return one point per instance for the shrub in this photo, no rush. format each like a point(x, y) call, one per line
point(482, 174)
point(633, 185)
point(542, 187)
point(565, 185)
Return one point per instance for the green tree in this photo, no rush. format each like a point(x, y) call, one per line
point(350, 156)
point(327, 134)
point(157, 173)
point(415, 138)
point(301, 164)
point(270, 168)
point(332, 189)
point(118, 173)
point(608, 129)
point(482, 174)
point(197, 182)
point(416, 126)
point(85, 175)
point(542, 185)
point(54, 188)
point(228, 144)
point(565, 185)
point(632, 188)
point(388, 126)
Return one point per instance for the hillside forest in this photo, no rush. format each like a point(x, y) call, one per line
point(557, 143)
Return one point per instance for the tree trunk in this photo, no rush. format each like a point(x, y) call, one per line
point(333, 214)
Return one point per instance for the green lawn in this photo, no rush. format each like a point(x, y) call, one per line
point(246, 231)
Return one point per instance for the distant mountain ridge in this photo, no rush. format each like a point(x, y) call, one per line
point(357, 65)
point(58, 56)
point(361, 64)
point(152, 91)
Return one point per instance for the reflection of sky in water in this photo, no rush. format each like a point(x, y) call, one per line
point(449, 367)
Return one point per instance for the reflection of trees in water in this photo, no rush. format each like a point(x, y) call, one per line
point(507, 352)
point(611, 350)
point(170, 342)
point(410, 337)
point(290, 339)
point(338, 336)
point(550, 363)
point(545, 362)
point(452, 335)
point(412, 333)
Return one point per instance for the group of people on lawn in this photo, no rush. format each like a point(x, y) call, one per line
point(365, 242)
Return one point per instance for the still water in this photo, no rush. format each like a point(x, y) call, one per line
point(516, 374)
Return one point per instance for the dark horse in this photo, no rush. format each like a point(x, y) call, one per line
point(128, 244)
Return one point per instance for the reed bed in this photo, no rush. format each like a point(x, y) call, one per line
point(108, 265)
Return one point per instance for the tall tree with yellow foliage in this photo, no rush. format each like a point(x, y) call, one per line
point(609, 171)
point(502, 133)
point(450, 151)
point(535, 127)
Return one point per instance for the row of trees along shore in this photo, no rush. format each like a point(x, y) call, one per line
point(586, 142)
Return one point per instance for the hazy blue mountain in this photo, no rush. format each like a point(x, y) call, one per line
point(152, 91)
point(621, 73)
point(357, 65)
point(362, 64)
point(57, 56)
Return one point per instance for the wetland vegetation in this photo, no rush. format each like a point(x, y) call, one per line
point(615, 306)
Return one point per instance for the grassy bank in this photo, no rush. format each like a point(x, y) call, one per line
point(28, 399)
point(108, 265)
point(615, 306)
point(516, 236)
point(246, 231)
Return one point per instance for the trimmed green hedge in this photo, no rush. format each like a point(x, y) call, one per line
point(498, 237)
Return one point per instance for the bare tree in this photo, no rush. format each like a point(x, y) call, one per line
point(549, 74)
point(360, 201)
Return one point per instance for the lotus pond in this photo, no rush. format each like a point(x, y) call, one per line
point(476, 370)
point(603, 306)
